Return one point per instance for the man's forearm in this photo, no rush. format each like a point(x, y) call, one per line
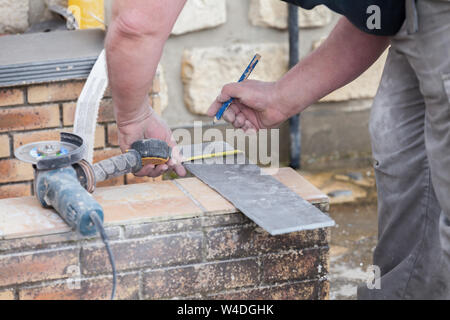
point(345, 55)
point(134, 47)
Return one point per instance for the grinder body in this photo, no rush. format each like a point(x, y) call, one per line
point(61, 189)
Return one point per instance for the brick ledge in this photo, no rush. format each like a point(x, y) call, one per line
point(136, 204)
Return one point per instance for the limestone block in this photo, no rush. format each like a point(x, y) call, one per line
point(206, 70)
point(13, 15)
point(39, 12)
point(273, 13)
point(200, 14)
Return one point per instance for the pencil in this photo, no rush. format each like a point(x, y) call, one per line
point(244, 76)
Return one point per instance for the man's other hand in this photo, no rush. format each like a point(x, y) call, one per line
point(151, 126)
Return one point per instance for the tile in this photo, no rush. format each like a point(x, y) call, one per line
point(22, 217)
point(294, 181)
point(147, 201)
point(209, 199)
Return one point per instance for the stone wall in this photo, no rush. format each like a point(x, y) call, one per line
point(171, 239)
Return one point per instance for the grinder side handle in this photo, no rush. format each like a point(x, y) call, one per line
point(142, 152)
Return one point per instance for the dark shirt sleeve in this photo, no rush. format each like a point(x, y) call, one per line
point(392, 13)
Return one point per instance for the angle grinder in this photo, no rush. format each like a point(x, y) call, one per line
point(64, 181)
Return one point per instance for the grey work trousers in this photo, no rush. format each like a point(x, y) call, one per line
point(410, 130)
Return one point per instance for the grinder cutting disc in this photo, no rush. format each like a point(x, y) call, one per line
point(47, 155)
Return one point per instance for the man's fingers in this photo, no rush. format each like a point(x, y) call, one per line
point(249, 128)
point(229, 115)
point(231, 90)
point(177, 167)
point(176, 156)
point(145, 170)
point(240, 120)
point(180, 170)
point(217, 104)
point(153, 172)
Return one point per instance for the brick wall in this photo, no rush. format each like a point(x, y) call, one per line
point(40, 112)
point(171, 239)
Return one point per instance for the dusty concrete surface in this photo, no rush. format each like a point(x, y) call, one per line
point(352, 243)
point(354, 208)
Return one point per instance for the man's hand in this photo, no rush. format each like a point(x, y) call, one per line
point(256, 105)
point(151, 126)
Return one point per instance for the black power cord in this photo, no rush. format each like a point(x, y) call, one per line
point(99, 225)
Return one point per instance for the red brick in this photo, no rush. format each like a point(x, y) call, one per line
point(113, 138)
point(300, 265)
point(227, 219)
point(5, 150)
point(103, 154)
point(294, 291)
point(36, 266)
point(105, 112)
point(69, 113)
point(21, 139)
point(89, 289)
point(324, 290)
point(55, 92)
point(243, 241)
point(6, 295)
point(212, 277)
point(15, 190)
point(11, 97)
point(26, 118)
point(13, 170)
point(48, 240)
point(150, 252)
point(161, 227)
point(100, 155)
point(100, 137)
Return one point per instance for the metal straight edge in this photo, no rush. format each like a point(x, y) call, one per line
point(45, 69)
point(37, 74)
point(49, 64)
point(44, 79)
